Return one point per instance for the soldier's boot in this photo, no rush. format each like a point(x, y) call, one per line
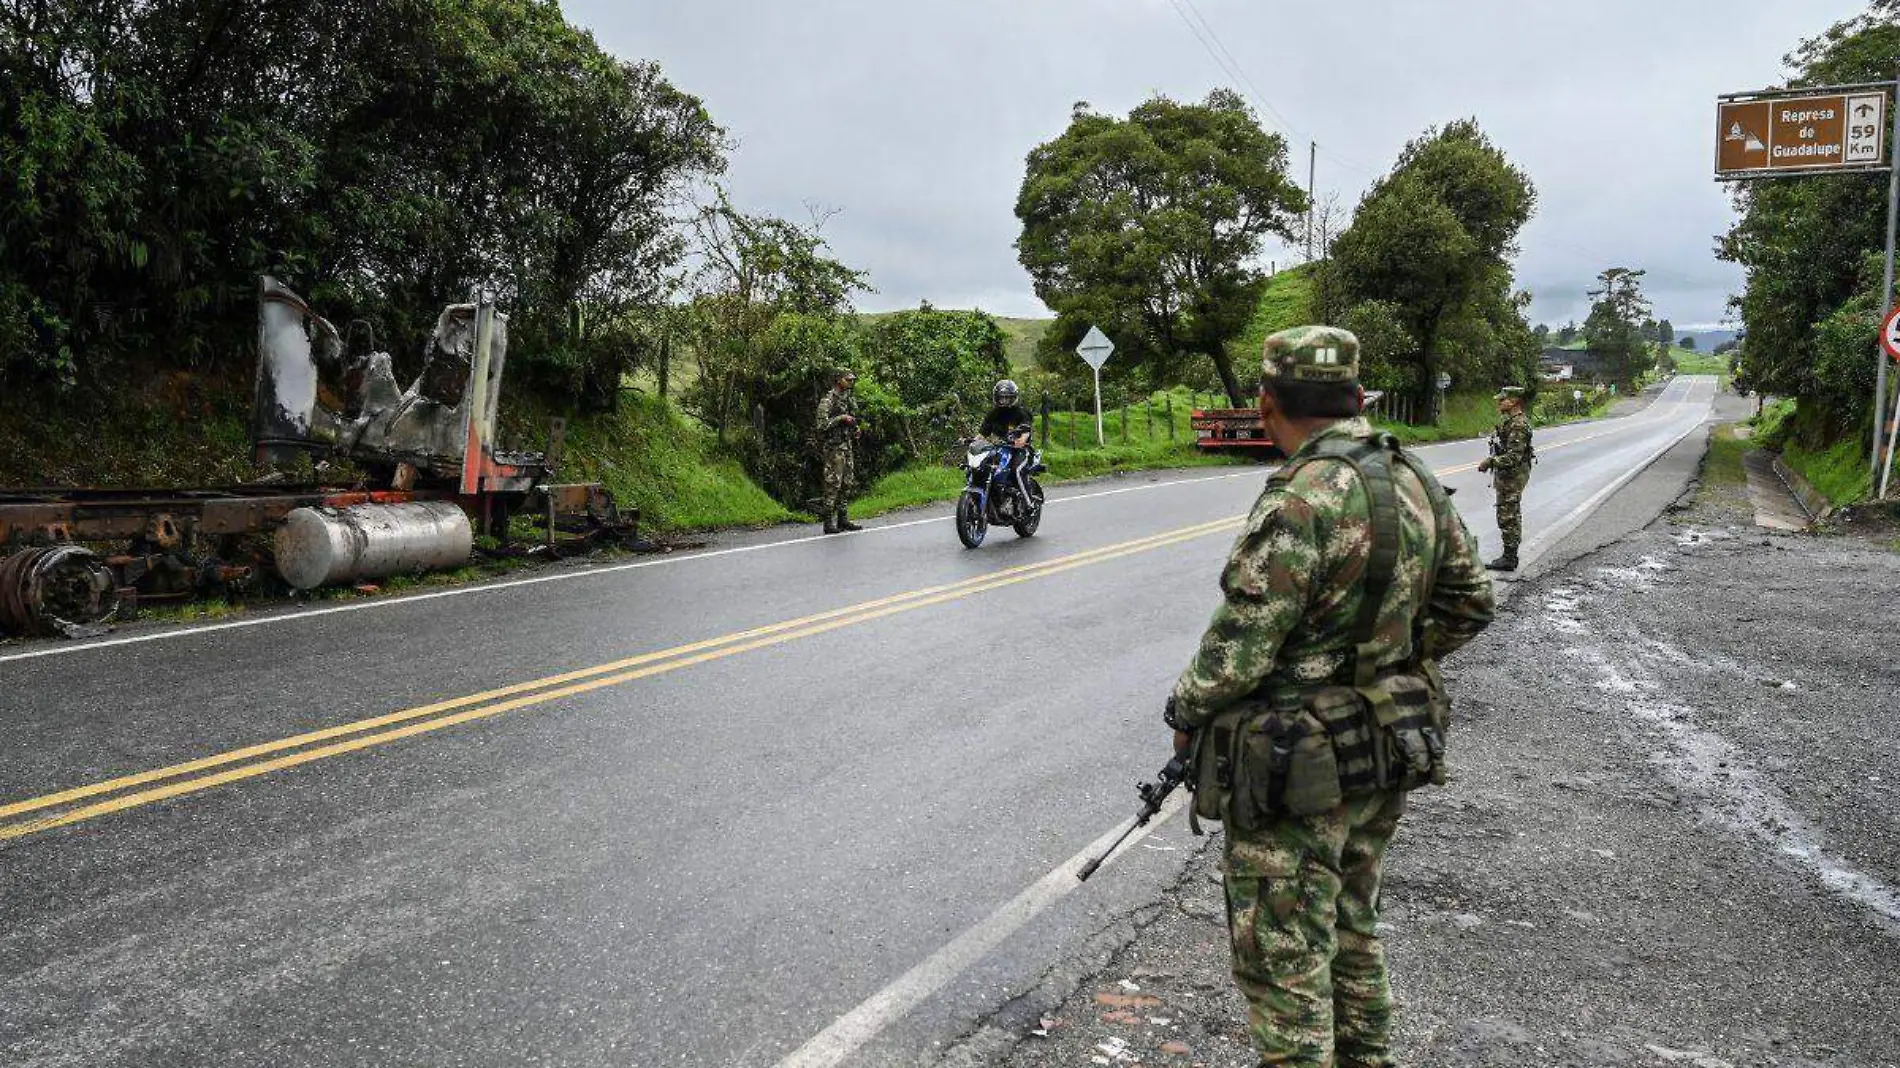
point(1506, 561)
point(831, 522)
point(845, 523)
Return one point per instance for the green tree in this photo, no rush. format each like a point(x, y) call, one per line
point(158, 157)
point(931, 356)
point(1384, 344)
point(1615, 328)
point(1150, 227)
point(1435, 238)
point(1568, 333)
point(1806, 246)
point(755, 269)
point(1687, 342)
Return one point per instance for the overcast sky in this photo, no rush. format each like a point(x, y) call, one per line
point(912, 117)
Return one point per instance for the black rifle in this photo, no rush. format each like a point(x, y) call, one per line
point(1179, 770)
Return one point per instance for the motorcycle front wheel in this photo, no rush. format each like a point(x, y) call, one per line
point(1026, 526)
point(971, 523)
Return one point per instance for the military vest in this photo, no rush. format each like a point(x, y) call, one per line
point(1298, 749)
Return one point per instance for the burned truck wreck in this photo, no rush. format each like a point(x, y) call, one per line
point(433, 479)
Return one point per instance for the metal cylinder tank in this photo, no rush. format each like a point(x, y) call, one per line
point(320, 546)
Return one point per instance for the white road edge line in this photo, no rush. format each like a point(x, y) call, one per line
point(564, 576)
point(1555, 533)
point(848, 1033)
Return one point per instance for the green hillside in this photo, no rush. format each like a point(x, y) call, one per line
point(1287, 301)
point(1024, 335)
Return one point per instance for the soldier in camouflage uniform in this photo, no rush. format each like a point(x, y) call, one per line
point(1303, 892)
point(1510, 467)
point(837, 429)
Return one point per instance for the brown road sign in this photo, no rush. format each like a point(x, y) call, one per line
point(1839, 130)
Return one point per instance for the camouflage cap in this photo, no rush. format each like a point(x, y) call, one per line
point(1312, 354)
point(1515, 393)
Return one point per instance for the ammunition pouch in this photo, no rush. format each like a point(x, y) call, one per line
point(1304, 753)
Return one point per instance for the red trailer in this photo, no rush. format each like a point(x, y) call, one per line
point(1239, 429)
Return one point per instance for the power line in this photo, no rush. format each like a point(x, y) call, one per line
point(1230, 64)
point(1233, 64)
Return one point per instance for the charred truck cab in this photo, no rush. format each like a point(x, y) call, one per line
point(434, 478)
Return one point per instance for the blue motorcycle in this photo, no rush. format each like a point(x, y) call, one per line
point(999, 486)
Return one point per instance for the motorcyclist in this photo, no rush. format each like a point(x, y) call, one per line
point(1009, 427)
point(1006, 417)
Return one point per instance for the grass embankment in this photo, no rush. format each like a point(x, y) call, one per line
point(655, 459)
point(1722, 464)
point(1837, 468)
point(188, 430)
point(1285, 302)
point(1475, 415)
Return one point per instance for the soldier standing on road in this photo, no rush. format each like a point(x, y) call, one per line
point(1353, 570)
point(837, 429)
point(1510, 467)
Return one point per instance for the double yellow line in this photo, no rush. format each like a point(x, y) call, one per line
point(81, 803)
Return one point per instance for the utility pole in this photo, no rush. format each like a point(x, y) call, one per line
point(1312, 193)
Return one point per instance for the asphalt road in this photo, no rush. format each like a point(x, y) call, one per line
point(796, 794)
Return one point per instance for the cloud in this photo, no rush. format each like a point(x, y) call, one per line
point(914, 118)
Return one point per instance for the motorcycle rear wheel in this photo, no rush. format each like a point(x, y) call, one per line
point(1026, 526)
point(972, 525)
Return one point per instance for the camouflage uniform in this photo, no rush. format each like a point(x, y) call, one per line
point(834, 435)
point(1510, 467)
point(1303, 892)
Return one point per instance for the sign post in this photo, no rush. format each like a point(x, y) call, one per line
point(1095, 350)
point(1890, 342)
point(1826, 130)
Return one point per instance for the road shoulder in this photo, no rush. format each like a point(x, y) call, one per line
point(1649, 856)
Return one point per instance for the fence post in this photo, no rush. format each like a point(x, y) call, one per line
point(1045, 420)
point(1149, 404)
point(1075, 430)
point(1124, 424)
point(1169, 402)
point(666, 358)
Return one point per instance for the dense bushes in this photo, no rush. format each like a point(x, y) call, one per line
point(382, 156)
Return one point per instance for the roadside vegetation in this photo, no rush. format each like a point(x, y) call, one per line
point(1812, 249)
point(1838, 471)
point(1690, 362)
point(1722, 472)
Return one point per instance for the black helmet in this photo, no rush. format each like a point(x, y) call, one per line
point(1005, 392)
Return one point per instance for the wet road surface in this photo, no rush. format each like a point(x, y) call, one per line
point(692, 810)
